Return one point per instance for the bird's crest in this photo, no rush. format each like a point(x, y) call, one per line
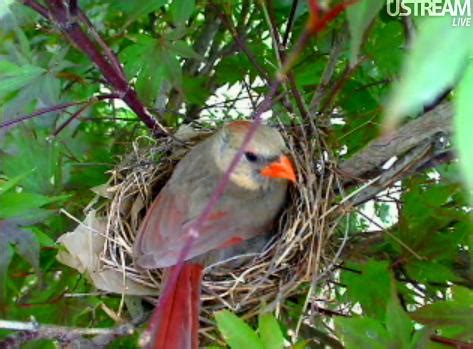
point(239, 126)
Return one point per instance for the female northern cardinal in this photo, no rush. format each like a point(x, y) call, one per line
point(252, 199)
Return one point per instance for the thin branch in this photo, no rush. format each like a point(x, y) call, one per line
point(23, 118)
point(243, 46)
point(335, 53)
point(380, 150)
point(346, 75)
point(59, 14)
point(33, 330)
point(290, 22)
point(43, 11)
point(278, 48)
point(72, 117)
point(108, 52)
point(406, 165)
point(451, 342)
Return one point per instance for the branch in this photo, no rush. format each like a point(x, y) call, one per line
point(336, 52)
point(451, 342)
point(23, 118)
point(268, 11)
point(243, 46)
point(290, 22)
point(380, 150)
point(32, 330)
point(399, 169)
point(75, 115)
point(66, 21)
point(43, 11)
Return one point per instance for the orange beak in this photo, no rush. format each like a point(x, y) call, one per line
point(281, 168)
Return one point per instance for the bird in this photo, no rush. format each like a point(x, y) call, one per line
point(252, 199)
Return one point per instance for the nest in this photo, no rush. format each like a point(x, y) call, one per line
point(301, 252)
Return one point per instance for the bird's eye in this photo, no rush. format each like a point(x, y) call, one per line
point(250, 156)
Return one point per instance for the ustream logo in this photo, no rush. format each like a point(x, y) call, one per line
point(459, 10)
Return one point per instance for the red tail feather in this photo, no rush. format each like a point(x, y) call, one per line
point(178, 323)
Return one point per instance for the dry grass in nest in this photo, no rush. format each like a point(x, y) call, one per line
point(301, 251)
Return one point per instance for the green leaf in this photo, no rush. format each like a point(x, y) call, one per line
point(195, 89)
point(301, 344)
point(136, 9)
point(431, 271)
point(25, 243)
point(359, 16)
point(13, 77)
point(181, 10)
point(27, 152)
point(13, 182)
point(373, 299)
point(398, 324)
point(437, 57)
point(385, 45)
point(361, 332)
point(182, 49)
point(141, 8)
point(270, 332)
point(140, 62)
point(14, 204)
point(236, 332)
point(464, 124)
point(451, 313)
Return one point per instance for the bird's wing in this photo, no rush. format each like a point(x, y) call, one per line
point(164, 232)
point(165, 215)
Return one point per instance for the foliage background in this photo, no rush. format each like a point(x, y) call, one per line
point(407, 276)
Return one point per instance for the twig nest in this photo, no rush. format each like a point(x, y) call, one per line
point(300, 250)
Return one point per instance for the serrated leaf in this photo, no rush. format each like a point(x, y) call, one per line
point(270, 332)
point(141, 8)
point(437, 57)
point(236, 332)
point(359, 16)
point(11, 183)
point(26, 153)
point(136, 9)
point(398, 325)
point(181, 10)
point(431, 271)
point(372, 299)
point(14, 204)
point(464, 124)
point(140, 62)
point(13, 77)
point(26, 244)
point(455, 312)
point(361, 332)
point(181, 48)
point(195, 89)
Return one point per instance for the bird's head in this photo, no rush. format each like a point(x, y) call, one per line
point(264, 160)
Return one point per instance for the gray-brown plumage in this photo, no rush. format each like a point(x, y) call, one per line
point(250, 203)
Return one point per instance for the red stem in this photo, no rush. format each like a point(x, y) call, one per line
point(72, 117)
point(451, 342)
point(15, 121)
point(46, 110)
point(60, 15)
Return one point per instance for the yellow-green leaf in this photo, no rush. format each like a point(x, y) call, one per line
point(236, 332)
